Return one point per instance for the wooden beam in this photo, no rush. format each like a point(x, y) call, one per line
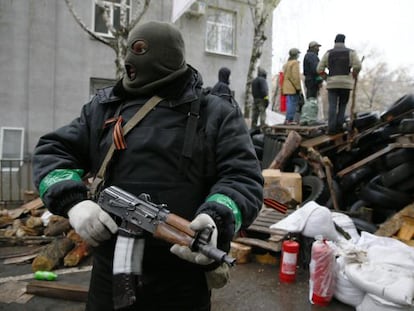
point(58, 290)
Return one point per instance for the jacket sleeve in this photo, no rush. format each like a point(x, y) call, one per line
point(355, 62)
point(296, 76)
point(323, 63)
point(60, 160)
point(239, 181)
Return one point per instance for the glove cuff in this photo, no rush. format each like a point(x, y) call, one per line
point(62, 196)
point(224, 219)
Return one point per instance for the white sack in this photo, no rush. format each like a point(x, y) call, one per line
point(311, 220)
point(345, 291)
point(390, 282)
point(387, 250)
point(374, 303)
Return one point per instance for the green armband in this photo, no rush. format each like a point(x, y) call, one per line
point(225, 200)
point(59, 175)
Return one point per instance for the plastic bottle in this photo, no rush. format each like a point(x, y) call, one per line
point(45, 275)
point(288, 263)
point(322, 272)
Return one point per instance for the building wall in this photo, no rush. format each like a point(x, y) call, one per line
point(47, 60)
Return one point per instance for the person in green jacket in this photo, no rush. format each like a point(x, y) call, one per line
point(343, 65)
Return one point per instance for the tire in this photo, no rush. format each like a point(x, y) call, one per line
point(398, 174)
point(312, 189)
point(406, 126)
point(272, 145)
point(258, 140)
point(399, 156)
point(354, 178)
point(397, 110)
point(380, 196)
point(363, 225)
point(365, 120)
point(297, 165)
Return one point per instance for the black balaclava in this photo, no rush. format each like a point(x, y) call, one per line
point(224, 75)
point(155, 57)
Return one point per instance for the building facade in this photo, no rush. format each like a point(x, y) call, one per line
point(50, 66)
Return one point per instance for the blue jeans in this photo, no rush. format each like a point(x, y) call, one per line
point(292, 102)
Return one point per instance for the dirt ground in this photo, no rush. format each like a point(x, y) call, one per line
point(252, 286)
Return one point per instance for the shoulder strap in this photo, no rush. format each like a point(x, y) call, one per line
point(139, 115)
point(190, 132)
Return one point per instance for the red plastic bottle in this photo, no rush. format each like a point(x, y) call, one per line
point(288, 263)
point(322, 272)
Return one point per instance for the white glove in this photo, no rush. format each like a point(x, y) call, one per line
point(91, 222)
point(199, 223)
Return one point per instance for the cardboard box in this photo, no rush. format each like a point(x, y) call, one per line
point(292, 182)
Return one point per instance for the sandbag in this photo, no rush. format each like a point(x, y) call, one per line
point(309, 114)
point(372, 302)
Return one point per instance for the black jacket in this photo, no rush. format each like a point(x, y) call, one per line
point(221, 88)
point(260, 88)
point(223, 159)
point(310, 63)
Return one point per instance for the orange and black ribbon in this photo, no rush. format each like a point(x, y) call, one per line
point(118, 133)
point(272, 203)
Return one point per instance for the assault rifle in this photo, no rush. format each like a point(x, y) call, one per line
point(139, 213)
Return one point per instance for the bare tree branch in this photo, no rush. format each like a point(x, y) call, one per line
point(83, 26)
point(140, 15)
point(260, 9)
point(120, 35)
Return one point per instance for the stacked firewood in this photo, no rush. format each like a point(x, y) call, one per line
point(32, 224)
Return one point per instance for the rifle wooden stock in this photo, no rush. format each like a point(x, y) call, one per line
point(172, 235)
point(179, 223)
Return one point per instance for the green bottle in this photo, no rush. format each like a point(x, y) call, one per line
point(45, 275)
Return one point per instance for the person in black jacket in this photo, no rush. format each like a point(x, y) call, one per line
point(191, 152)
point(310, 63)
point(260, 92)
point(221, 88)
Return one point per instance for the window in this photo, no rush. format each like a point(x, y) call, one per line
point(11, 147)
point(220, 34)
point(114, 12)
point(99, 83)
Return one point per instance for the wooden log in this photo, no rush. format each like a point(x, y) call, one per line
point(59, 290)
point(75, 256)
point(292, 142)
point(392, 225)
point(25, 240)
point(240, 252)
point(406, 231)
point(51, 255)
point(57, 225)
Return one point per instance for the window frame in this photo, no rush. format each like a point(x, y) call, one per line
point(3, 129)
point(111, 4)
point(219, 34)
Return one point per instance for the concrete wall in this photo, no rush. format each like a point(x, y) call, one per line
point(47, 60)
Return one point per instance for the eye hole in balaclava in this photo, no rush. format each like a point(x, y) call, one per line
point(139, 47)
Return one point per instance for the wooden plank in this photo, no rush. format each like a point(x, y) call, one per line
point(58, 290)
point(407, 229)
point(268, 245)
point(322, 139)
point(391, 226)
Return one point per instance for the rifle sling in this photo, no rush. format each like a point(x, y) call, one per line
point(139, 115)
